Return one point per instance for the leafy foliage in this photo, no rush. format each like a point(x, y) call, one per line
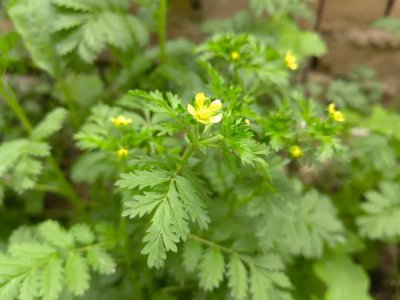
point(381, 212)
point(42, 264)
point(33, 20)
point(219, 165)
point(87, 27)
point(352, 281)
point(297, 224)
point(21, 158)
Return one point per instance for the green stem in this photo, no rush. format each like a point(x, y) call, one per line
point(211, 140)
point(162, 28)
point(13, 102)
point(212, 244)
point(185, 157)
point(70, 192)
point(70, 103)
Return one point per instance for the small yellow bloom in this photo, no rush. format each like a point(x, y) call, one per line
point(338, 116)
point(332, 108)
point(122, 153)
point(121, 121)
point(203, 113)
point(291, 61)
point(247, 122)
point(296, 151)
point(235, 55)
point(335, 114)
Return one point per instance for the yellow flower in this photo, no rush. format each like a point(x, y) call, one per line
point(203, 113)
point(291, 61)
point(247, 122)
point(338, 116)
point(332, 108)
point(296, 151)
point(121, 121)
point(122, 153)
point(235, 55)
point(335, 114)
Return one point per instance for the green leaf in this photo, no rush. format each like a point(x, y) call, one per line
point(192, 253)
point(33, 20)
point(77, 274)
point(30, 286)
point(168, 226)
point(100, 260)
point(383, 121)
point(297, 224)
point(173, 204)
point(212, 267)
point(381, 218)
point(238, 280)
point(259, 285)
point(88, 27)
point(10, 152)
point(82, 233)
point(51, 279)
point(53, 233)
point(33, 267)
point(343, 277)
point(192, 199)
point(51, 124)
point(143, 178)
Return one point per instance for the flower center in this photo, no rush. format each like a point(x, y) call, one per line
point(204, 114)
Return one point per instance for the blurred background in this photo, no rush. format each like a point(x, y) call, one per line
point(347, 27)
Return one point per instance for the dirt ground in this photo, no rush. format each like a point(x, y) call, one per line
point(345, 26)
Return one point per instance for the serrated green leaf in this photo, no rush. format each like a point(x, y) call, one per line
point(30, 286)
point(238, 281)
point(211, 271)
point(51, 123)
point(192, 199)
point(33, 20)
point(53, 233)
point(89, 26)
point(10, 153)
point(100, 260)
point(82, 233)
point(143, 178)
point(76, 274)
point(381, 218)
point(51, 279)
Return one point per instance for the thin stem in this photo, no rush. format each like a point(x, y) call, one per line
point(70, 192)
point(162, 28)
point(70, 103)
point(185, 157)
point(13, 102)
point(320, 13)
point(212, 244)
point(389, 7)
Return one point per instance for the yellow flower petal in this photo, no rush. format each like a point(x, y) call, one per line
point(216, 119)
point(122, 153)
point(215, 105)
point(338, 116)
point(191, 110)
point(235, 55)
point(332, 108)
point(291, 61)
point(296, 151)
point(200, 98)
